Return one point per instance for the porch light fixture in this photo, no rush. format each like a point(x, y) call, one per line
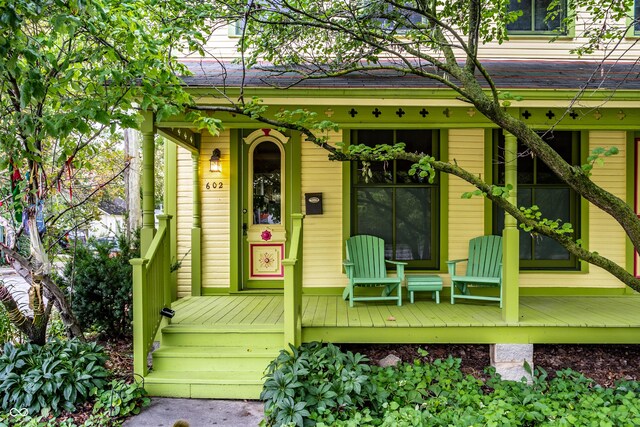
point(214, 161)
point(167, 312)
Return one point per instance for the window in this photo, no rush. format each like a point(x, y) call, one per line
point(270, 7)
point(236, 27)
point(636, 17)
point(538, 185)
point(396, 19)
point(400, 208)
point(267, 189)
point(537, 18)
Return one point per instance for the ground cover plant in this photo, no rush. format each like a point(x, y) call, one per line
point(322, 385)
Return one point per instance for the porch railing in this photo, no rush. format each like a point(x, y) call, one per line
point(293, 286)
point(151, 293)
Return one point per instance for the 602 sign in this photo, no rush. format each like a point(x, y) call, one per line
point(213, 185)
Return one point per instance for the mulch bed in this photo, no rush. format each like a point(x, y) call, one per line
point(605, 364)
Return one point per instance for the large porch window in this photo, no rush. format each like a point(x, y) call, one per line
point(391, 204)
point(538, 185)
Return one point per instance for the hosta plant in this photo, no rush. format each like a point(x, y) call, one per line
point(58, 375)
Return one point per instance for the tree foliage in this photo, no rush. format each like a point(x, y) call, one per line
point(73, 73)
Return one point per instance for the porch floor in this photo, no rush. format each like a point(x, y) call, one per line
point(543, 319)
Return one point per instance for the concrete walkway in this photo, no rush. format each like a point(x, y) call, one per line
point(165, 412)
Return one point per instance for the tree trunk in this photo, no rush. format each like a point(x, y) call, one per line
point(36, 330)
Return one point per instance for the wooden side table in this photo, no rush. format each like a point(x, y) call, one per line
point(424, 282)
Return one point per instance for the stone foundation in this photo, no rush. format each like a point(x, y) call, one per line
point(509, 359)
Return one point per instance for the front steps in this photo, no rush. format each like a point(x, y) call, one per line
point(218, 362)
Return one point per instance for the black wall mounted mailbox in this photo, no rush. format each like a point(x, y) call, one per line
point(313, 203)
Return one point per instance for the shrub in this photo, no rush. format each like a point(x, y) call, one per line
point(319, 380)
point(58, 375)
point(100, 283)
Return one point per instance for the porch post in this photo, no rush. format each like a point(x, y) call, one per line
point(171, 207)
point(196, 230)
point(148, 182)
point(293, 286)
point(511, 237)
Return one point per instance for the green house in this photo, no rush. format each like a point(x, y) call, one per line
point(259, 218)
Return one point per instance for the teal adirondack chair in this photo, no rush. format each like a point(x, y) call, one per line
point(365, 266)
point(484, 269)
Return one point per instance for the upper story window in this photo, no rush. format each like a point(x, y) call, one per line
point(538, 17)
point(400, 208)
point(400, 20)
point(636, 17)
point(235, 28)
point(538, 185)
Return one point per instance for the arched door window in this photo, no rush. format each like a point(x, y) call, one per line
point(267, 183)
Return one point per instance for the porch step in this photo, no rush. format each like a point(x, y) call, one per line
point(213, 359)
point(204, 385)
point(261, 336)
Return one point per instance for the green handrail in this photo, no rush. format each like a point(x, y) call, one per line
point(293, 286)
point(151, 293)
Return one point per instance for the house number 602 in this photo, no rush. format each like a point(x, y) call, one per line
point(213, 185)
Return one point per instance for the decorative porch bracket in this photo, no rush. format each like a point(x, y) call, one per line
point(511, 237)
point(293, 286)
point(182, 137)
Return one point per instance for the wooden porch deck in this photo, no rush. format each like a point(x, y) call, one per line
point(543, 319)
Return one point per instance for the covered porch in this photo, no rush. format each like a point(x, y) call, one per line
point(217, 345)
